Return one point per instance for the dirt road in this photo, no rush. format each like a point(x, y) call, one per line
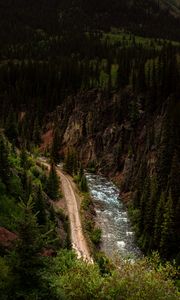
point(72, 200)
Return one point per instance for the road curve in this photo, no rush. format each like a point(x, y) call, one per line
point(77, 237)
point(78, 240)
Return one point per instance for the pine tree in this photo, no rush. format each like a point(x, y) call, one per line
point(159, 220)
point(177, 230)
point(150, 212)
point(68, 163)
point(81, 171)
point(26, 259)
point(39, 206)
point(83, 184)
point(145, 197)
point(174, 178)
point(71, 163)
point(75, 163)
point(143, 203)
point(27, 184)
point(55, 147)
point(36, 132)
point(24, 159)
point(11, 127)
point(165, 153)
point(53, 183)
point(167, 229)
point(4, 160)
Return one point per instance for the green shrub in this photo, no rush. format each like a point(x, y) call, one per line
point(96, 236)
point(15, 186)
point(86, 202)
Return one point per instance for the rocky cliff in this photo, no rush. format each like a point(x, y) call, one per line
point(112, 130)
point(136, 148)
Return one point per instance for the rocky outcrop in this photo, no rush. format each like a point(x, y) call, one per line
point(6, 238)
point(101, 128)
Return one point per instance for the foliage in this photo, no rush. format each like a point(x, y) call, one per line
point(71, 162)
point(53, 184)
point(55, 147)
point(92, 166)
point(4, 159)
point(96, 236)
point(5, 278)
point(39, 205)
point(26, 274)
point(143, 279)
point(52, 50)
point(26, 258)
point(83, 184)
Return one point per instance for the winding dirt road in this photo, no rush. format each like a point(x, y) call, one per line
point(72, 200)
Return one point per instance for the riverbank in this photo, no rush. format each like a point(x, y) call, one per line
point(117, 238)
point(73, 201)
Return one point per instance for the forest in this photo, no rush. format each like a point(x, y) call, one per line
point(37, 263)
point(90, 74)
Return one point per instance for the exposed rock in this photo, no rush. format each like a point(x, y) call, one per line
point(6, 237)
point(100, 128)
point(48, 253)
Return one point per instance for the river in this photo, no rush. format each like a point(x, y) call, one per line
point(111, 216)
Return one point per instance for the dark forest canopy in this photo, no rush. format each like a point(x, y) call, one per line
point(19, 18)
point(52, 51)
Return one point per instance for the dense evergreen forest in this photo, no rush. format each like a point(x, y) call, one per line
point(113, 66)
point(20, 19)
point(35, 262)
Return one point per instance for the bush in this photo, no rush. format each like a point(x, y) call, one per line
point(140, 280)
point(5, 278)
point(96, 236)
point(73, 279)
point(92, 167)
point(15, 186)
point(83, 184)
point(86, 202)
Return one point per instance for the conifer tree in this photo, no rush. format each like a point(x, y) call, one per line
point(143, 203)
point(177, 230)
point(81, 171)
point(150, 211)
point(36, 132)
point(83, 184)
point(165, 153)
point(68, 164)
point(174, 178)
point(159, 220)
point(24, 159)
point(11, 127)
point(39, 206)
point(4, 160)
point(167, 229)
point(27, 259)
point(71, 163)
point(55, 147)
point(53, 183)
point(27, 184)
point(75, 163)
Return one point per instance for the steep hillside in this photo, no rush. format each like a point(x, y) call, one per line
point(20, 20)
point(133, 147)
point(91, 85)
point(147, 18)
point(112, 96)
point(172, 6)
point(115, 97)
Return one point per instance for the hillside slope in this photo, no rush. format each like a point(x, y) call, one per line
point(20, 21)
point(140, 154)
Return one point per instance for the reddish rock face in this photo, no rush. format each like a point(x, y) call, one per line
point(6, 237)
point(48, 252)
